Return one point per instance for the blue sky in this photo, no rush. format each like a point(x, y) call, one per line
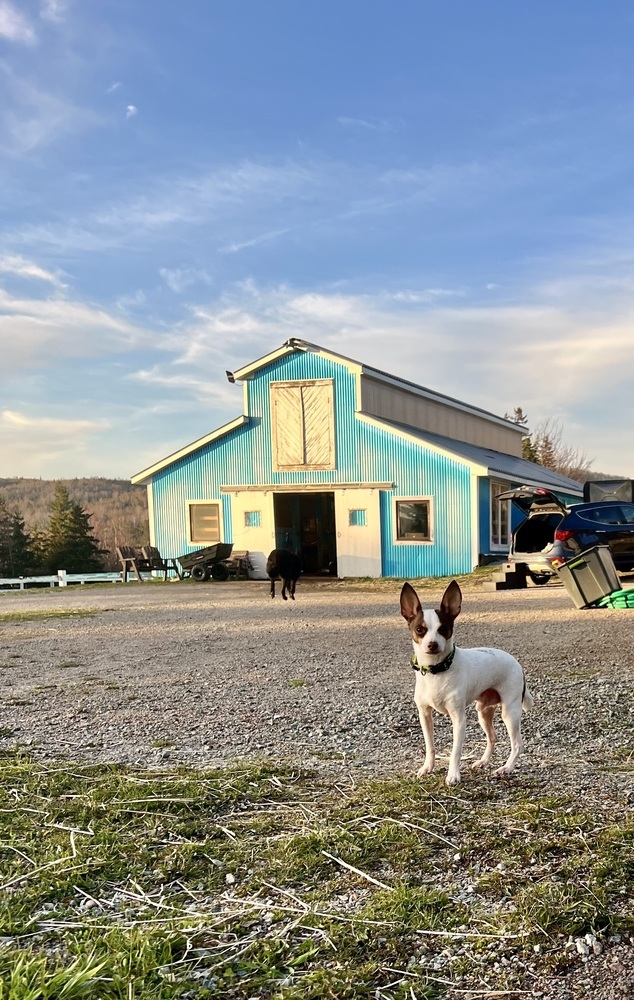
point(444, 191)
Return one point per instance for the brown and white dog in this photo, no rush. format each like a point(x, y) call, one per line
point(449, 679)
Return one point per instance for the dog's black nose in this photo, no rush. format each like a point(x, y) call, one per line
point(432, 647)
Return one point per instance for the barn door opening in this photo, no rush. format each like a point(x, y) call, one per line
point(305, 524)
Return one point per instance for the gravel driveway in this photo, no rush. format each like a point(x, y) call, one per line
point(211, 673)
point(208, 673)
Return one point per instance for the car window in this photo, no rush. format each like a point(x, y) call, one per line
point(622, 513)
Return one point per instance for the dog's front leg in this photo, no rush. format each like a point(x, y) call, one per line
point(459, 725)
point(427, 725)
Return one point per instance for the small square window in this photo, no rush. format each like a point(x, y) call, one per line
point(357, 518)
point(252, 518)
point(412, 521)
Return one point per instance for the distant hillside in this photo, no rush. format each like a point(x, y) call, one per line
point(119, 510)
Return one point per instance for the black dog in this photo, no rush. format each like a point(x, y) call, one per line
point(284, 566)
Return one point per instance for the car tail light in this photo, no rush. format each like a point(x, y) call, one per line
point(563, 536)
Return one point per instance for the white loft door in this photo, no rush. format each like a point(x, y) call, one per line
point(358, 527)
point(253, 527)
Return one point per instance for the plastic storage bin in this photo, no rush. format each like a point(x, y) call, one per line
point(590, 576)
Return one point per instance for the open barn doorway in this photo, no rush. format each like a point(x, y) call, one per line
point(305, 524)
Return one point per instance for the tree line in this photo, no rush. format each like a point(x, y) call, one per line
point(44, 524)
point(67, 541)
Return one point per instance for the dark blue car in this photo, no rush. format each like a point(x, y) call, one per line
point(552, 532)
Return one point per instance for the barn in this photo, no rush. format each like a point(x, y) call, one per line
point(362, 473)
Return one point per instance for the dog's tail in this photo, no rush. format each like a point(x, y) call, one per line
point(527, 698)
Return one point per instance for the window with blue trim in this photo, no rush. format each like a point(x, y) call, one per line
point(252, 518)
point(357, 518)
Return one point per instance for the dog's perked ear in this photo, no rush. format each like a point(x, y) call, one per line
point(451, 600)
point(410, 605)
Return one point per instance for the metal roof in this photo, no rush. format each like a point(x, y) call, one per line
point(518, 469)
point(296, 344)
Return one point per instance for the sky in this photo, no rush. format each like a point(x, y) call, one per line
point(440, 190)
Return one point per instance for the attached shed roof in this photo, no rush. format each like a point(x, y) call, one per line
point(495, 462)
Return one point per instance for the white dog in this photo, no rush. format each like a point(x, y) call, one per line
point(450, 679)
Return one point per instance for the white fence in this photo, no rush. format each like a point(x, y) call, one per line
point(59, 579)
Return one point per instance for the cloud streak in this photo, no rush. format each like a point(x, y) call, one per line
point(14, 26)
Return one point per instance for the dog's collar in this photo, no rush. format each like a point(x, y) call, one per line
point(436, 668)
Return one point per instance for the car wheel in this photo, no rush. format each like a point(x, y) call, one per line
point(200, 573)
point(540, 579)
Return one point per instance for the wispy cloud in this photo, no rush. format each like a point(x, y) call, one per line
point(274, 234)
point(131, 110)
point(40, 333)
point(369, 124)
point(23, 268)
point(35, 445)
point(14, 26)
point(114, 86)
point(54, 10)
point(179, 279)
point(34, 116)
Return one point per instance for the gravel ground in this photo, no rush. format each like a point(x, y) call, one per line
point(211, 673)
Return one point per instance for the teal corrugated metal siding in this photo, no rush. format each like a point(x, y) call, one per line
point(364, 453)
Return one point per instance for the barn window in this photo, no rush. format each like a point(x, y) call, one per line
point(252, 519)
point(302, 418)
point(413, 519)
point(204, 522)
point(357, 518)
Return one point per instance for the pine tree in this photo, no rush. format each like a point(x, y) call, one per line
point(17, 555)
point(70, 543)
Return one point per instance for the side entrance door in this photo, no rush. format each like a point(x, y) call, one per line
point(358, 528)
point(253, 526)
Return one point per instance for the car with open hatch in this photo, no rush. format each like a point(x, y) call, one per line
point(553, 532)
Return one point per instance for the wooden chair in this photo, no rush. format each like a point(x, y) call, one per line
point(239, 564)
point(156, 563)
point(132, 561)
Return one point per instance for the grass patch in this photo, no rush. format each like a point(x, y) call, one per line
point(265, 881)
point(44, 615)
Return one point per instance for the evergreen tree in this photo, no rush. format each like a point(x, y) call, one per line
point(17, 555)
point(70, 543)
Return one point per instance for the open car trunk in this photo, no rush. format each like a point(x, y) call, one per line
point(537, 533)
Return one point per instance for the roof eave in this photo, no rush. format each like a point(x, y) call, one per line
point(176, 456)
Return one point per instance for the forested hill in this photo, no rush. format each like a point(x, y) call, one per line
point(119, 510)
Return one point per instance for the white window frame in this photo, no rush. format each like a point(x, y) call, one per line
point(501, 546)
point(203, 503)
point(429, 500)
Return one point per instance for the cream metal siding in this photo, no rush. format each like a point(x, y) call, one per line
point(403, 407)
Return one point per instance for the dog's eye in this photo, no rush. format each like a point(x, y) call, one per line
point(420, 630)
point(444, 631)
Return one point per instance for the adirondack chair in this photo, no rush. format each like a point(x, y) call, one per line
point(156, 562)
point(132, 561)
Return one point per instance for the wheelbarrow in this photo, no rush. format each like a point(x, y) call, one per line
point(208, 562)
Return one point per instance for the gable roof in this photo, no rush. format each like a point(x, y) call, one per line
point(358, 368)
point(189, 448)
point(473, 455)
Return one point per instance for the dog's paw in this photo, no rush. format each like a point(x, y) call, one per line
point(503, 772)
point(453, 779)
point(479, 764)
point(424, 770)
